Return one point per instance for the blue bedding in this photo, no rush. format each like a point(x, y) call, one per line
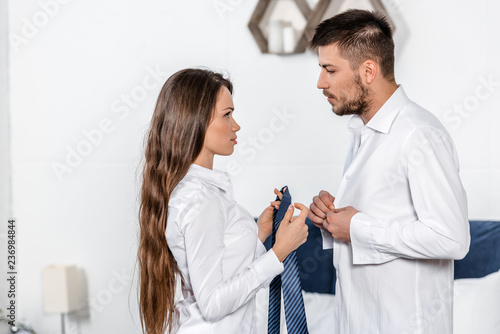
point(318, 274)
point(484, 254)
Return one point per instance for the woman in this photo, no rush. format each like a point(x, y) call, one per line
point(190, 224)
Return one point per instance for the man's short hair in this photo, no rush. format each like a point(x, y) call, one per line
point(360, 35)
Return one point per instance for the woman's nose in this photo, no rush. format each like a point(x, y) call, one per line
point(236, 127)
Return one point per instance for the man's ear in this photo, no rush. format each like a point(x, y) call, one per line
point(368, 71)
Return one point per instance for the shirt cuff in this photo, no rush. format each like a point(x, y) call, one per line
point(327, 239)
point(267, 267)
point(363, 241)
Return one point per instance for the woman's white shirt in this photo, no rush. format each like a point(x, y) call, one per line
point(222, 261)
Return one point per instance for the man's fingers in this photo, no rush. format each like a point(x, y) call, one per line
point(329, 216)
point(318, 207)
point(326, 225)
point(314, 211)
point(318, 225)
point(315, 219)
point(318, 222)
point(322, 205)
point(326, 197)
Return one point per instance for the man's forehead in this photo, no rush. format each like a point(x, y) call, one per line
point(328, 55)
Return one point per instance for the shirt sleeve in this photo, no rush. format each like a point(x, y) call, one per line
point(203, 229)
point(260, 248)
point(441, 230)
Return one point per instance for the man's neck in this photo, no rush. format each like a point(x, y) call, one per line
point(378, 98)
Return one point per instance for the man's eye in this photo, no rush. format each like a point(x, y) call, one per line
point(330, 71)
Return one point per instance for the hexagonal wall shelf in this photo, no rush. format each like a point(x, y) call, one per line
point(321, 11)
point(262, 11)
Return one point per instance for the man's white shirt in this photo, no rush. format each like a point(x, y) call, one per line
point(396, 275)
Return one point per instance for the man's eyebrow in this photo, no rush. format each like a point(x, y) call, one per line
point(326, 65)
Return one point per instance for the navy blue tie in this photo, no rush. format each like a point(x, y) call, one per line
point(292, 291)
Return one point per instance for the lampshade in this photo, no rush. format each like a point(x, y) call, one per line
point(61, 288)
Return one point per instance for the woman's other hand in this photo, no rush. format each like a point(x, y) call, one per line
point(265, 221)
point(291, 234)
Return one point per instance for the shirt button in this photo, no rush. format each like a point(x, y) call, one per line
point(347, 177)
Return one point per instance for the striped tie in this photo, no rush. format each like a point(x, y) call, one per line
point(292, 291)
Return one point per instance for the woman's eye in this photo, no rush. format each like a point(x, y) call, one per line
point(227, 114)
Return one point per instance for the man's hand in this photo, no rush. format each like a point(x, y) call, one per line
point(338, 223)
point(320, 207)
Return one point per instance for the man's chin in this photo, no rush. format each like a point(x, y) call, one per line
point(341, 112)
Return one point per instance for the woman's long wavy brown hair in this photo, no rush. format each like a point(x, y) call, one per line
point(183, 111)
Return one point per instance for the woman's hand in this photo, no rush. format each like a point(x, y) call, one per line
point(265, 221)
point(291, 235)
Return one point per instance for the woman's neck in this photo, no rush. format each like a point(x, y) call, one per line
point(205, 160)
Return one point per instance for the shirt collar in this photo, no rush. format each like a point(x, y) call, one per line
point(385, 116)
point(215, 177)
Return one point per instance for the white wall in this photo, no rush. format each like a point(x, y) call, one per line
point(5, 186)
point(73, 75)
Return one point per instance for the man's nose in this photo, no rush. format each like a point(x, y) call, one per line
point(322, 82)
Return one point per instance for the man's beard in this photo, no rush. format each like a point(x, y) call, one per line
point(354, 106)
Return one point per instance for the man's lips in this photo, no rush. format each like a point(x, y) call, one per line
point(330, 97)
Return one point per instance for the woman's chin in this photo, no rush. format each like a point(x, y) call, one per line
point(226, 152)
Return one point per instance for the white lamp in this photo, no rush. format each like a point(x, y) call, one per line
point(61, 290)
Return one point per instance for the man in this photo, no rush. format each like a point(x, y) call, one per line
point(399, 217)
